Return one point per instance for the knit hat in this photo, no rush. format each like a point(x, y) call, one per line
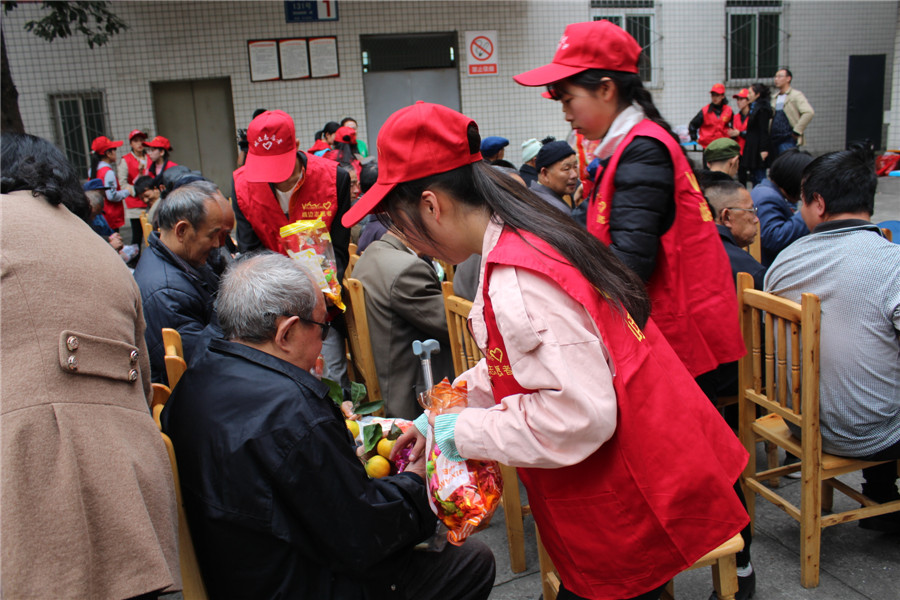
point(93, 184)
point(415, 142)
point(721, 149)
point(583, 46)
point(530, 149)
point(551, 153)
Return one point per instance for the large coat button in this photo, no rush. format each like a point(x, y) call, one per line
point(134, 356)
point(72, 343)
point(72, 363)
point(132, 375)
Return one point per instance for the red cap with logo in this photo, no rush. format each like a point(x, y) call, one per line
point(744, 93)
point(159, 142)
point(717, 89)
point(102, 144)
point(136, 133)
point(272, 154)
point(592, 45)
point(415, 142)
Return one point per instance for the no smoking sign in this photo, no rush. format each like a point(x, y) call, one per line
point(481, 52)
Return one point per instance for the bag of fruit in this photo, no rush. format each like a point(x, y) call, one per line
point(464, 495)
point(309, 243)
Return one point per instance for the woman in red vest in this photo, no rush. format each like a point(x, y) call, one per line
point(577, 384)
point(103, 160)
point(133, 165)
point(713, 120)
point(158, 150)
point(646, 204)
point(738, 129)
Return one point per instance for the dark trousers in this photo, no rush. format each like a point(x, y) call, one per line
point(455, 573)
point(137, 232)
point(881, 480)
point(565, 594)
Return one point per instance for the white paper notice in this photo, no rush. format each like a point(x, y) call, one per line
point(294, 59)
point(263, 61)
point(323, 57)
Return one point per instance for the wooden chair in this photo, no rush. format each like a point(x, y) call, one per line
point(192, 583)
point(888, 234)
point(790, 394)
point(353, 249)
point(755, 248)
point(465, 356)
point(362, 359)
point(722, 560)
point(449, 269)
point(146, 227)
point(351, 263)
point(174, 356)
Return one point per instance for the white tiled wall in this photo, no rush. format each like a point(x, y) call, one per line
point(195, 40)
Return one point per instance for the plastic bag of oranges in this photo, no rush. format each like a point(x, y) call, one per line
point(464, 495)
point(309, 243)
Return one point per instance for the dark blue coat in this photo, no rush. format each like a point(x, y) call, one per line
point(279, 504)
point(778, 223)
point(176, 295)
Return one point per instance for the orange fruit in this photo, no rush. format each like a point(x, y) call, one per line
point(378, 467)
point(353, 426)
point(384, 447)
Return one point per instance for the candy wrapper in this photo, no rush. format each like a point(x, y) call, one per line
point(464, 495)
point(309, 243)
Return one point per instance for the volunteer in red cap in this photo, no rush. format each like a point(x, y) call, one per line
point(103, 160)
point(280, 184)
point(345, 151)
point(645, 203)
point(577, 383)
point(158, 150)
point(713, 120)
point(738, 129)
point(133, 165)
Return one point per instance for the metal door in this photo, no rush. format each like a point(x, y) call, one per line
point(398, 70)
point(198, 118)
point(865, 98)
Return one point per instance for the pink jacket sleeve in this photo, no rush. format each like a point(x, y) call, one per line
point(554, 348)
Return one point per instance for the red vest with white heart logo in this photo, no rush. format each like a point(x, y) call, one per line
point(658, 494)
point(315, 198)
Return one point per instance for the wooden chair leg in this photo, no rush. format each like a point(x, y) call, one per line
point(515, 527)
point(810, 531)
point(772, 461)
point(549, 579)
point(668, 592)
point(724, 572)
point(827, 497)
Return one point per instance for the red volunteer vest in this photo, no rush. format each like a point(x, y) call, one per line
point(135, 171)
point(714, 126)
point(692, 288)
point(317, 197)
point(739, 122)
point(657, 495)
point(113, 211)
point(151, 166)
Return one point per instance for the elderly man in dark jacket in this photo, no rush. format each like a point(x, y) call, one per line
point(178, 288)
point(278, 501)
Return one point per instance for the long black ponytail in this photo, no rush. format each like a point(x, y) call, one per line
point(479, 186)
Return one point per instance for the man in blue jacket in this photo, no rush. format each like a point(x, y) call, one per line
point(178, 288)
point(278, 502)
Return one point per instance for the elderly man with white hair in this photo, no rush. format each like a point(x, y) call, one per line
point(279, 504)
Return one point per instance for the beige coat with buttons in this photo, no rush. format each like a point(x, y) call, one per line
point(87, 504)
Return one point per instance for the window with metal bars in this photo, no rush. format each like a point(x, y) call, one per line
point(640, 26)
point(754, 39)
point(79, 118)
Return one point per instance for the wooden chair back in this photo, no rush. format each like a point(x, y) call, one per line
point(146, 227)
point(888, 234)
point(353, 249)
point(465, 356)
point(351, 263)
point(755, 248)
point(789, 357)
point(161, 395)
point(462, 345)
point(358, 338)
point(449, 270)
point(174, 356)
point(172, 342)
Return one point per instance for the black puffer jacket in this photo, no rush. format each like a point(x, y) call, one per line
point(175, 295)
point(643, 207)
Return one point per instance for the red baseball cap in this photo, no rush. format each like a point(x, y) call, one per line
point(345, 134)
point(159, 142)
point(102, 144)
point(135, 133)
point(717, 89)
point(415, 142)
point(583, 46)
point(272, 154)
point(744, 93)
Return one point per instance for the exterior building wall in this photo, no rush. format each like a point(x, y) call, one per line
point(893, 139)
point(170, 41)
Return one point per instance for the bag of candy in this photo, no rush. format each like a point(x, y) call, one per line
point(464, 495)
point(309, 243)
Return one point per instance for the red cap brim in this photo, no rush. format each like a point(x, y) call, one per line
point(366, 204)
point(547, 74)
point(270, 169)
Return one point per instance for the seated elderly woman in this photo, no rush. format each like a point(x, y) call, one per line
point(88, 503)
